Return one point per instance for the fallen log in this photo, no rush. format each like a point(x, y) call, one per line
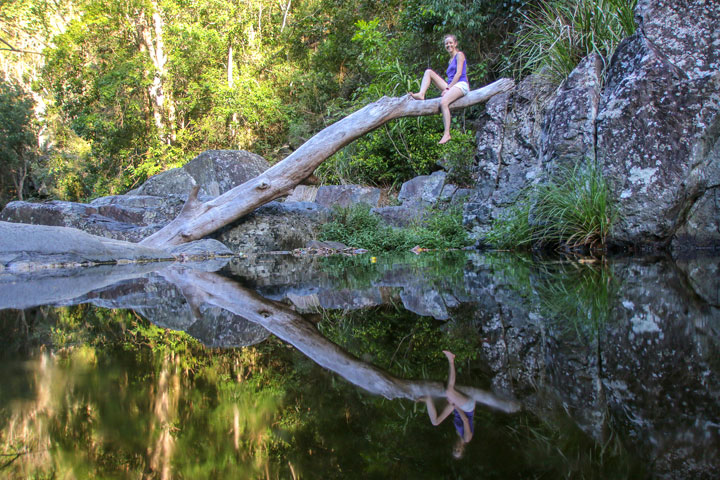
point(198, 219)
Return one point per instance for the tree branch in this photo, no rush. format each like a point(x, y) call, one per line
point(281, 178)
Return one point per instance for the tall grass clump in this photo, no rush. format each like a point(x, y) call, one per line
point(556, 35)
point(572, 209)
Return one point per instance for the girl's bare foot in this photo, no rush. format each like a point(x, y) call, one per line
point(449, 354)
point(417, 96)
point(445, 138)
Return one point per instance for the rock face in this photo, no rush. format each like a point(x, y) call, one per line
point(418, 195)
point(275, 226)
point(652, 124)
point(216, 171)
point(508, 146)
point(656, 130)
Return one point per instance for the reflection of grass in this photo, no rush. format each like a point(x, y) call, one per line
point(559, 445)
point(363, 271)
point(576, 295)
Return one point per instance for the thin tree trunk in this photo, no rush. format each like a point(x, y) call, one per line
point(151, 41)
point(286, 10)
point(197, 219)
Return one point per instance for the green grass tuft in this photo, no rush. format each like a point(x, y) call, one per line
point(357, 227)
point(572, 209)
point(559, 33)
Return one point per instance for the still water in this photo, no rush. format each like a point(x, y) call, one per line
point(283, 367)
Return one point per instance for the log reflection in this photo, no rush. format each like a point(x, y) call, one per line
point(286, 324)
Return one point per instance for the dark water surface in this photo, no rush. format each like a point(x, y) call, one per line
point(283, 367)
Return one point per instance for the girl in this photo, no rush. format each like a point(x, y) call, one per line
point(455, 87)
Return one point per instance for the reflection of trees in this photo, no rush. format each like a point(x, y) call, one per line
point(204, 287)
point(132, 409)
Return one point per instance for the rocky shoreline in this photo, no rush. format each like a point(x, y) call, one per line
point(650, 119)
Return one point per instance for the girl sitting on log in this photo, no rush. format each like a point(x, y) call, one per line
point(455, 87)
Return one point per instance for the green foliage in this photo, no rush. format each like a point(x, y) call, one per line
point(556, 35)
point(572, 209)
point(400, 341)
point(18, 141)
point(356, 226)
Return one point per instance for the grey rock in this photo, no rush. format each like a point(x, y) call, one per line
point(347, 195)
point(34, 247)
point(508, 136)
point(656, 132)
point(400, 216)
point(216, 171)
point(423, 190)
point(685, 32)
point(120, 217)
point(568, 134)
point(275, 226)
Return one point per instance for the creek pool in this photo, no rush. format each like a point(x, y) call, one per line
point(277, 366)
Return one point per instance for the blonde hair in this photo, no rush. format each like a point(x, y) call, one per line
point(450, 35)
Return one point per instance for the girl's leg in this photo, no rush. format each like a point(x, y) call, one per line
point(432, 413)
point(454, 397)
point(429, 76)
point(452, 95)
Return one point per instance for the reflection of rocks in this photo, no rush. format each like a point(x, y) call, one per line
point(649, 374)
point(304, 282)
point(164, 305)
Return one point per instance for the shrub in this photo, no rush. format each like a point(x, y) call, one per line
point(356, 226)
point(559, 33)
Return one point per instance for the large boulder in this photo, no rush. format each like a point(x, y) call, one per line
point(653, 128)
point(276, 226)
point(216, 171)
point(656, 136)
point(128, 218)
point(568, 133)
point(35, 247)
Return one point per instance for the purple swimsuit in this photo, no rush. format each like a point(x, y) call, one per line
point(452, 68)
point(459, 426)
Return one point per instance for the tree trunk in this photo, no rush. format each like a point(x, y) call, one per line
point(213, 289)
point(150, 40)
point(199, 219)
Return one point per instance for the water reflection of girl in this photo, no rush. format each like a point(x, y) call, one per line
point(459, 404)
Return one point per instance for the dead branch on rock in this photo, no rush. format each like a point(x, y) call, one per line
point(200, 219)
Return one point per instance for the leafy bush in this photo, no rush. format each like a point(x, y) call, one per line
point(559, 33)
point(356, 226)
point(572, 209)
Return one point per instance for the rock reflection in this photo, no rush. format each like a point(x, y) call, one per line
point(626, 349)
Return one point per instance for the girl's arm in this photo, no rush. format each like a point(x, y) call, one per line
point(432, 413)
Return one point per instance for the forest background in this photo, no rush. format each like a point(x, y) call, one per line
point(98, 95)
